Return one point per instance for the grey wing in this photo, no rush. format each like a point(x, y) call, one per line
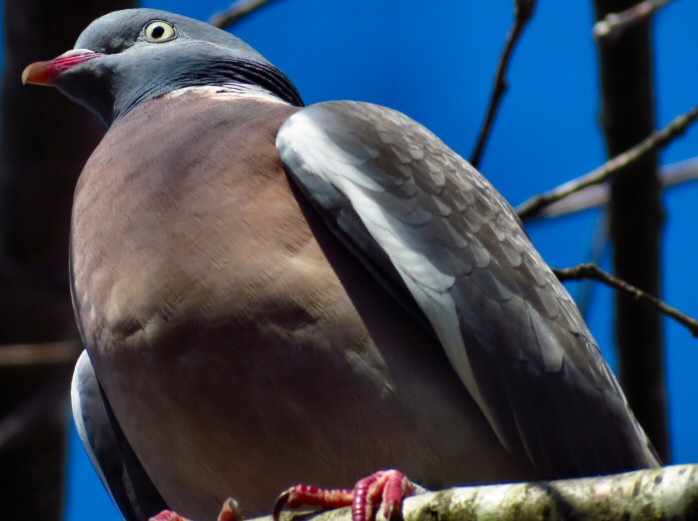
point(432, 227)
point(112, 456)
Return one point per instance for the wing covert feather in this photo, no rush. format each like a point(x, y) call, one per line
point(398, 195)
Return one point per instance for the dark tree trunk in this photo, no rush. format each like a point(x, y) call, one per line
point(45, 141)
point(636, 219)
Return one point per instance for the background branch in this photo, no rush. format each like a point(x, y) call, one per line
point(598, 247)
point(655, 141)
point(615, 24)
point(24, 355)
point(593, 272)
point(236, 12)
point(524, 13)
point(597, 195)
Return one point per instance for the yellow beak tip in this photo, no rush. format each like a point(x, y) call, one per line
point(25, 74)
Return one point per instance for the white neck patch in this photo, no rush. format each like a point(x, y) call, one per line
point(236, 90)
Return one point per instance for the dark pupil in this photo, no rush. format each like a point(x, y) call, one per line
point(158, 31)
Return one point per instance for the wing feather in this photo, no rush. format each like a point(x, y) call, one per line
point(112, 456)
point(406, 203)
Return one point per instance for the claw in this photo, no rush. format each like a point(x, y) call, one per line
point(230, 511)
point(388, 487)
point(301, 495)
point(280, 503)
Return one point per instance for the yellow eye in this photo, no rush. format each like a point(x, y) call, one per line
point(159, 31)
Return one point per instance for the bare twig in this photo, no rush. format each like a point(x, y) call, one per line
point(671, 175)
point(681, 172)
point(39, 354)
point(524, 12)
point(593, 272)
point(600, 242)
point(237, 11)
point(656, 140)
point(615, 24)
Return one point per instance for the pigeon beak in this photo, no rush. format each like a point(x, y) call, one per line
point(43, 73)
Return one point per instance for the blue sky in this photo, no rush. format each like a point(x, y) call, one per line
point(436, 64)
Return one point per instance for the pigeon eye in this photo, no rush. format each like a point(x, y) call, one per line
point(159, 31)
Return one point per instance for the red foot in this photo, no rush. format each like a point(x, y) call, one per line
point(168, 515)
point(230, 511)
point(388, 487)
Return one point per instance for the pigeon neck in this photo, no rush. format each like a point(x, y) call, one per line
point(237, 90)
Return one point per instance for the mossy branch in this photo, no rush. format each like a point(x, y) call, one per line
point(668, 493)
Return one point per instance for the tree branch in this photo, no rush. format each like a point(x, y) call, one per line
point(597, 195)
point(615, 24)
point(593, 272)
point(39, 354)
point(236, 12)
point(655, 141)
point(642, 495)
point(600, 243)
point(523, 14)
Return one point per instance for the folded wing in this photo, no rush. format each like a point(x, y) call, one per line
point(112, 456)
point(437, 233)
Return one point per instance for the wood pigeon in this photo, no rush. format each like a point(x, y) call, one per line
point(272, 295)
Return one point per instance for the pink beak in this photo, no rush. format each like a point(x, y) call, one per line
point(44, 73)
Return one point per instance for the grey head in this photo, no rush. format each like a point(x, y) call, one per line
point(148, 53)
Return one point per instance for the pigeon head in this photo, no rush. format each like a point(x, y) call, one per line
point(130, 56)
